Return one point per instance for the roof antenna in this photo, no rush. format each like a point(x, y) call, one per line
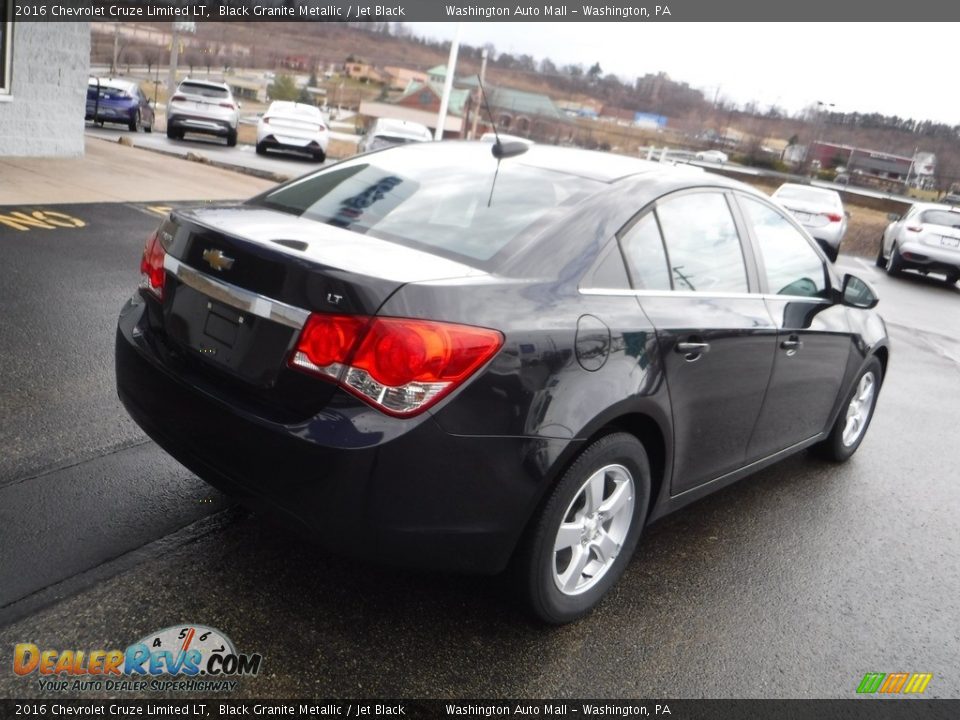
point(500, 150)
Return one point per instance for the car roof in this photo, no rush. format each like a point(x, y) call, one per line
point(112, 83)
point(937, 206)
point(208, 83)
point(287, 107)
point(405, 128)
point(594, 165)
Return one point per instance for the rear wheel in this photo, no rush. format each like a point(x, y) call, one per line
point(261, 149)
point(851, 425)
point(174, 134)
point(232, 138)
point(319, 156)
point(136, 124)
point(881, 260)
point(581, 542)
point(952, 278)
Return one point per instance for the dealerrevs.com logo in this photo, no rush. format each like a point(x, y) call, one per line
point(181, 658)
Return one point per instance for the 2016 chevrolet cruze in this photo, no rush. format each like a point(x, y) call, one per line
point(458, 356)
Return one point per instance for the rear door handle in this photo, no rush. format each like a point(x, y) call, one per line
point(692, 350)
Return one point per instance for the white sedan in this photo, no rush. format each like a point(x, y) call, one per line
point(714, 156)
point(819, 210)
point(293, 126)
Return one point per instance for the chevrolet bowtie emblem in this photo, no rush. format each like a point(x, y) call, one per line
point(217, 260)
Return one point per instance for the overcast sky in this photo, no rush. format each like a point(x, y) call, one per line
point(896, 69)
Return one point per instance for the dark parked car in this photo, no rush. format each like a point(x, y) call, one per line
point(435, 357)
point(119, 101)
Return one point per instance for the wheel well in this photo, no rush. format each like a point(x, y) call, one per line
point(883, 355)
point(647, 432)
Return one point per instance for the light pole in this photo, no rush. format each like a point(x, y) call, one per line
point(448, 84)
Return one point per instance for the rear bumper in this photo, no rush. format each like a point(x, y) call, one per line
point(929, 257)
point(414, 496)
point(210, 126)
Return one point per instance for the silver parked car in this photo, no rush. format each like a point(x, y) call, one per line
point(819, 210)
point(387, 132)
point(202, 106)
point(925, 238)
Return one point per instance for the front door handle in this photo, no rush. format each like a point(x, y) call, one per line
point(791, 344)
point(692, 350)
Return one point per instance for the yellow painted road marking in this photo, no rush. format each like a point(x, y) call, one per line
point(41, 219)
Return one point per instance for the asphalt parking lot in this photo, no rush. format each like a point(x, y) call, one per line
point(792, 583)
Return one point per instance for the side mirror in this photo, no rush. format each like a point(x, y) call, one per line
point(892, 217)
point(857, 293)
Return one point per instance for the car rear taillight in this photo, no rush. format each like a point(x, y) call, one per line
point(401, 366)
point(178, 98)
point(151, 267)
point(834, 217)
point(227, 105)
point(914, 228)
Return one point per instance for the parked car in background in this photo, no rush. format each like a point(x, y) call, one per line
point(467, 357)
point(926, 238)
point(119, 101)
point(714, 156)
point(387, 132)
point(205, 107)
point(819, 210)
point(293, 126)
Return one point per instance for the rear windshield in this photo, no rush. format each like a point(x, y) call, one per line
point(425, 200)
point(810, 195)
point(943, 218)
point(210, 91)
point(108, 93)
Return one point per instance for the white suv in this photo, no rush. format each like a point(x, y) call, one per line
point(201, 106)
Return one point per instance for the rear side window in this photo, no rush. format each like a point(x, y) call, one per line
point(702, 243)
point(792, 266)
point(422, 199)
point(643, 250)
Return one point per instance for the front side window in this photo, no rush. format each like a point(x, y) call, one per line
point(792, 266)
point(702, 243)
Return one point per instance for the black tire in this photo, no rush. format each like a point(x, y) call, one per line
point(319, 156)
point(881, 260)
point(952, 278)
point(135, 125)
point(173, 134)
point(833, 253)
point(261, 149)
point(834, 448)
point(148, 128)
point(539, 567)
point(895, 263)
point(232, 138)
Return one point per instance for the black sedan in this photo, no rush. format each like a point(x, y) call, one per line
point(450, 357)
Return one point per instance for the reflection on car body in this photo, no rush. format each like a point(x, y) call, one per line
point(530, 358)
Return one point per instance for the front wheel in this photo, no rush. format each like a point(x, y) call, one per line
point(851, 425)
point(581, 542)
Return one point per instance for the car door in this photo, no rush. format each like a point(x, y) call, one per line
point(693, 280)
point(813, 335)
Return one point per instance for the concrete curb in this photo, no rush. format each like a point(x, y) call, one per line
point(201, 159)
